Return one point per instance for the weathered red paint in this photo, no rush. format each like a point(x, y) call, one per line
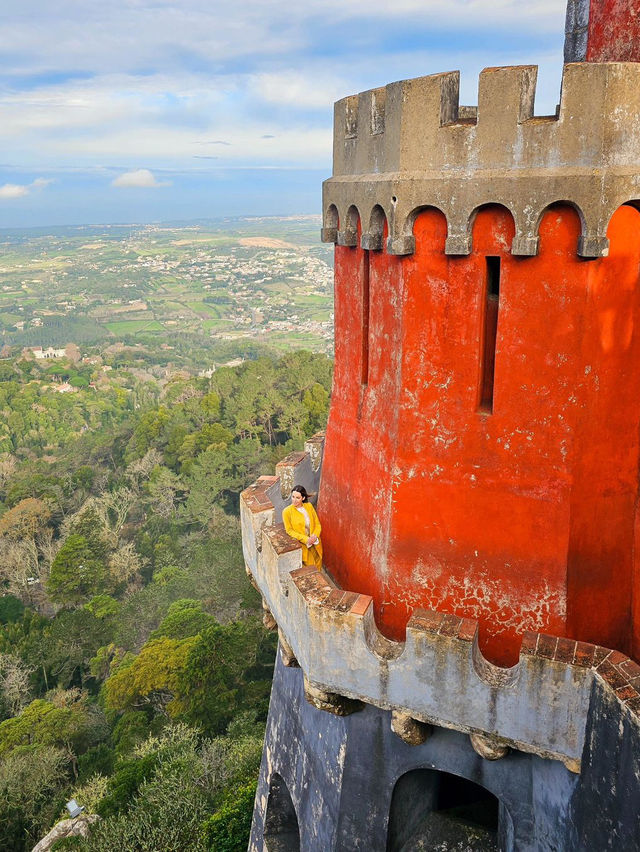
point(614, 31)
point(525, 517)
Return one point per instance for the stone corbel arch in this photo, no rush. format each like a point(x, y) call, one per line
point(330, 225)
point(590, 243)
point(348, 233)
point(373, 238)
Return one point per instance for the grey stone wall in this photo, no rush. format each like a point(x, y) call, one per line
point(556, 738)
point(341, 773)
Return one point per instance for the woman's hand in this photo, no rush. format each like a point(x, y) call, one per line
point(312, 540)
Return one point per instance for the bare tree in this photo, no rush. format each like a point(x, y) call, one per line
point(125, 565)
point(140, 469)
point(117, 503)
point(162, 491)
point(14, 683)
point(8, 464)
point(19, 565)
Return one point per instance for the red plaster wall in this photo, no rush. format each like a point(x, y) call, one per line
point(614, 31)
point(524, 517)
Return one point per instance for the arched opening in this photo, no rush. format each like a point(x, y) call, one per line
point(438, 810)
point(561, 223)
point(281, 830)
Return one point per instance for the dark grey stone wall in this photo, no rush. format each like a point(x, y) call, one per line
point(341, 773)
point(605, 808)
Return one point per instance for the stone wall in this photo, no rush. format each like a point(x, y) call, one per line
point(341, 773)
point(409, 145)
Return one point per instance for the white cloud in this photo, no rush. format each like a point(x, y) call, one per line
point(293, 87)
point(17, 190)
point(127, 34)
point(198, 86)
point(138, 178)
point(13, 190)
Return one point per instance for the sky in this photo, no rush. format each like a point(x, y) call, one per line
point(150, 110)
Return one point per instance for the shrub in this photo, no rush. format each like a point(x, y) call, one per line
point(229, 828)
point(11, 609)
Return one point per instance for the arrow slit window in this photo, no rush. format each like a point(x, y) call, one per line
point(491, 305)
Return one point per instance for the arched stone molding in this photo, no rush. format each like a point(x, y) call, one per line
point(331, 224)
point(348, 234)
point(473, 216)
point(410, 221)
point(588, 241)
point(373, 238)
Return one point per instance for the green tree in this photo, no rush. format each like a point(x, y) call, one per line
point(227, 670)
point(184, 618)
point(229, 828)
point(11, 609)
point(67, 721)
point(7, 372)
point(156, 800)
point(151, 679)
point(69, 642)
point(32, 780)
point(208, 481)
point(78, 573)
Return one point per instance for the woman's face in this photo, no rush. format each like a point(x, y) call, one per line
point(296, 498)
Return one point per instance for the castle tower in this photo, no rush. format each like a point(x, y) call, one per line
point(451, 667)
point(487, 369)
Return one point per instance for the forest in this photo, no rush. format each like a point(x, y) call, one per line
point(134, 667)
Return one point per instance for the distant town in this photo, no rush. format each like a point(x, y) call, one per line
point(229, 281)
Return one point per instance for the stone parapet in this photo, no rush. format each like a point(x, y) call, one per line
point(438, 676)
point(411, 145)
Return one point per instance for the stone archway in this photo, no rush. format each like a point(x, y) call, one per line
point(281, 830)
point(438, 810)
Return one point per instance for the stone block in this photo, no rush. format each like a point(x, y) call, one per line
point(410, 730)
point(488, 747)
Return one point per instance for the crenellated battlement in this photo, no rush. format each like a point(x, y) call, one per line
point(438, 675)
point(411, 145)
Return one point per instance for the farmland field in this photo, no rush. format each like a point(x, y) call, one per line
point(133, 326)
point(197, 286)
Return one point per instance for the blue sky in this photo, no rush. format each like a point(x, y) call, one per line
point(148, 110)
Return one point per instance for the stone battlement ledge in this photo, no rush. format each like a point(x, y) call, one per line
point(438, 676)
point(411, 145)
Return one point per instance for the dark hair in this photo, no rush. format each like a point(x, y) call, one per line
point(301, 490)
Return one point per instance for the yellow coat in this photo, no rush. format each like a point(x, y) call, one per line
point(294, 524)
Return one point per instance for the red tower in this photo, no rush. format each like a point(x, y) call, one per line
point(483, 445)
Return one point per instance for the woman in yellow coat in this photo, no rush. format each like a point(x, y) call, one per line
point(301, 522)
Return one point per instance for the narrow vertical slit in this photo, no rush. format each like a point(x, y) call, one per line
point(492, 301)
point(365, 319)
